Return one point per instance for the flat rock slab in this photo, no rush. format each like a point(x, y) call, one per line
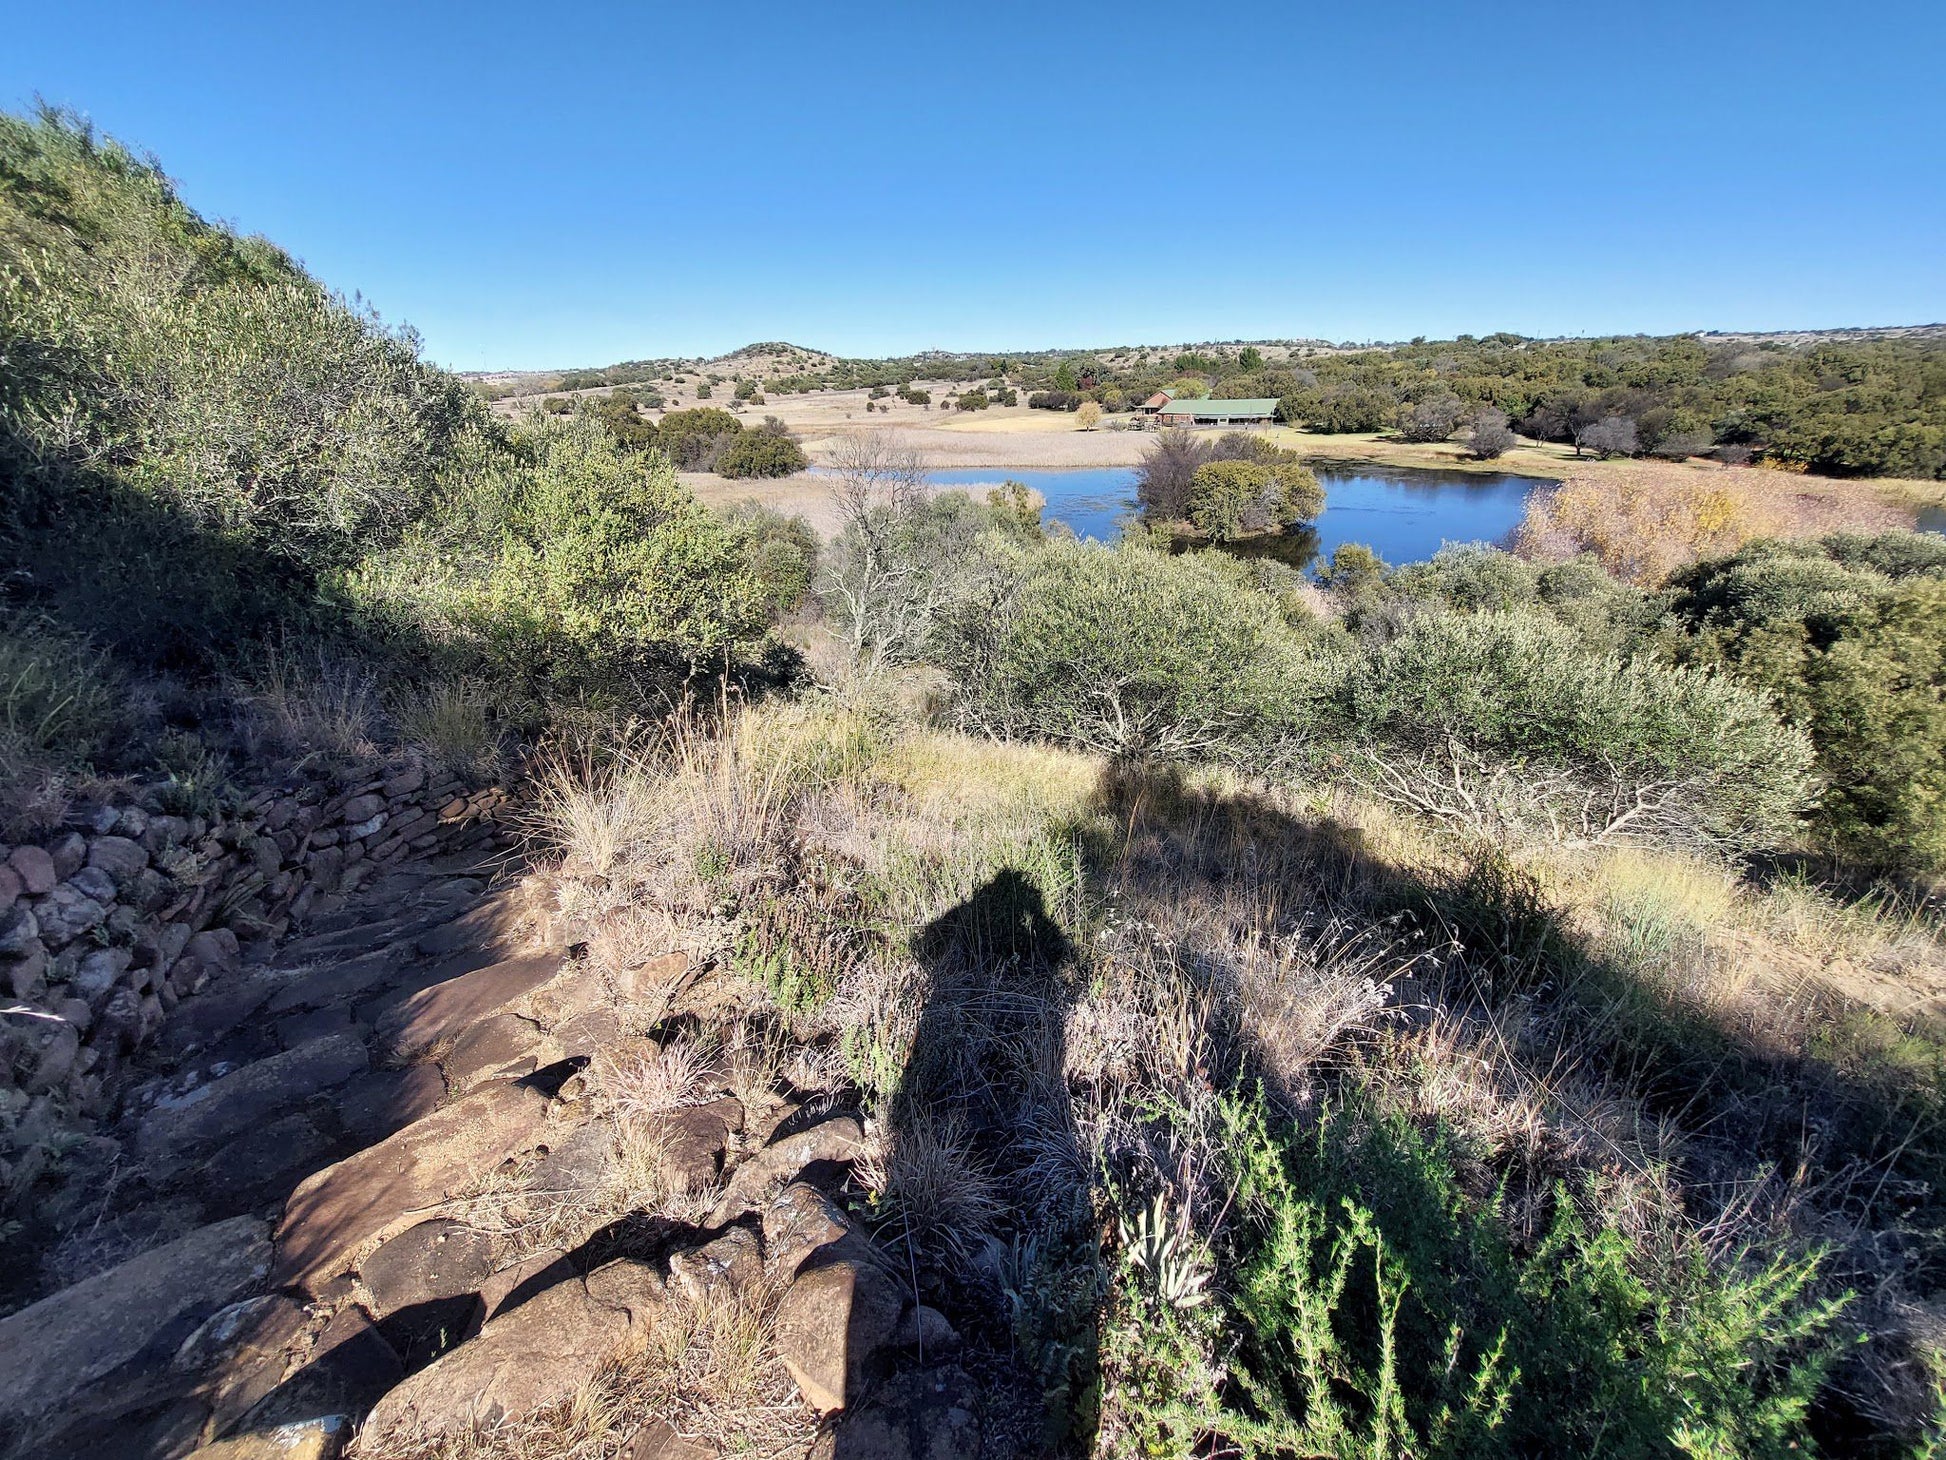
point(334, 983)
point(262, 1163)
point(697, 1138)
point(345, 1373)
point(79, 1335)
point(248, 1097)
point(342, 1212)
point(446, 1010)
point(423, 1264)
point(534, 1356)
point(486, 926)
point(501, 1045)
point(203, 1019)
point(660, 1441)
point(373, 1106)
point(312, 1439)
point(797, 1223)
point(758, 1180)
point(296, 1029)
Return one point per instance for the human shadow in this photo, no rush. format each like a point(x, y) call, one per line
point(987, 1182)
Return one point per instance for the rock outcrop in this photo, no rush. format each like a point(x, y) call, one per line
point(468, 1228)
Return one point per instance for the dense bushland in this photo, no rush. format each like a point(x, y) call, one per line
point(207, 453)
point(1134, 653)
point(1848, 636)
point(1853, 404)
point(1386, 1251)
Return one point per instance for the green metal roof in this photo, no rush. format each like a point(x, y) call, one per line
point(1223, 409)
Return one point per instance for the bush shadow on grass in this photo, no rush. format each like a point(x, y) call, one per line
point(1759, 1121)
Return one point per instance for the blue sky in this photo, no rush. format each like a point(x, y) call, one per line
point(540, 185)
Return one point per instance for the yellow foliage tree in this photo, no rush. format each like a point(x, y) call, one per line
point(1088, 416)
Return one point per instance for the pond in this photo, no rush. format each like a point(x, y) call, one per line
point(1403, 515)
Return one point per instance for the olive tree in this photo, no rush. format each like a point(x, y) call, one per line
point(1433, 419)
point(901, 549)
point(1504, 724)
point(1610, 436)
point(1125, 652)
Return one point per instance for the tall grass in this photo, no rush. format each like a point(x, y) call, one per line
point(1526, 1127)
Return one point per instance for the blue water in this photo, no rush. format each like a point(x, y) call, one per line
point(1403, 516)
point(1091, 500)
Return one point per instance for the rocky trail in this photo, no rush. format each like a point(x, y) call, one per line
point(423, 1175)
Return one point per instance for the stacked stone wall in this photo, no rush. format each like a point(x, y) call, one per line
point(107, 924)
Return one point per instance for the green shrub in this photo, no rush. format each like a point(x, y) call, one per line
point(1229, 499)
point(1504, 722)
point(1475, 578)
point(567, 571)
point(760, 454)
point(780, 554)
point(1130, 653)
point(974, 400)
point(692, 438)
point(193, 430)
point(1281, 493)
point(1849, 637)
point(616, 411)
point(1381, 1309)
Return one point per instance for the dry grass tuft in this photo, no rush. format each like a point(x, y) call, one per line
point(530, 1209)
point(634, 1082)
point(932, 1190)
point(452, 721)
point(707, 1368)
point(310, 703)
point(596, 815)
point(1643, 520)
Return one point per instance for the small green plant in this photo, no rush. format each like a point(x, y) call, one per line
point(1380, 1310)
point(1164, 1250)
point(198, 777)
point(57, 696)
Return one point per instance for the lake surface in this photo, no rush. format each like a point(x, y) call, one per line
point(1403, 516)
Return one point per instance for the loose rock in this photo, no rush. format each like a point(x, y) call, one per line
point(344, 1210)
point(831, 1324)
point(537, 1355)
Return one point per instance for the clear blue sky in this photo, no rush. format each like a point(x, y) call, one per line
point(536, 185)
